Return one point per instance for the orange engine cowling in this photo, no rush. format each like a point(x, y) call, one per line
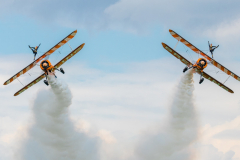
point(201, 63)
point(46, 65)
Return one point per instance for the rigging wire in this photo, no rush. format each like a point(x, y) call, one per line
point(19, 81)
point(58, 55)
point(186, 50)
point(56, 59)
point(227, 79)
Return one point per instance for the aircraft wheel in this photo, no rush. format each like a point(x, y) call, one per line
point(46, 82)
point(201, 80)
point(61, 70)
point(185, 69)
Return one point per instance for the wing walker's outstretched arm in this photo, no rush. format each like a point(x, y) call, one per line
point(38, 46)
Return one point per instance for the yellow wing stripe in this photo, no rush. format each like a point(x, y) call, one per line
point(70, 55)
point(198, 51)
point(30, 66)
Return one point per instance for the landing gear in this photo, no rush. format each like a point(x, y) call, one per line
point(46, 82)
point(61, 70)
point(185, 69)
point(201, 80)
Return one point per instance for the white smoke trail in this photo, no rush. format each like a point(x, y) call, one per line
point(52, 135)
point(175, 142)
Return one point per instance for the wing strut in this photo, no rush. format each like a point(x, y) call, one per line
point(69, 46)
point(176, 44)
point(19, 81)
point(227, 79)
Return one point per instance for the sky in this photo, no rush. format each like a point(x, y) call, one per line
point(123, 79)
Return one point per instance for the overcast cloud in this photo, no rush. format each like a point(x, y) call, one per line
point(122, 105)
point(129, 15)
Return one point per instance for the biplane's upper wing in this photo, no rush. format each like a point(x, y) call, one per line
point(185, 61)
point(198, 51)
point(70, 55)
point(30, 66)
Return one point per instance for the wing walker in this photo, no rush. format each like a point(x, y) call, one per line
point(45, 64)
point(201, 63)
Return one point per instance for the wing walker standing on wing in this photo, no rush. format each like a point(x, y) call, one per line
point(45, 64)
point(34, 50)
point(212, 48)
point(201, 63)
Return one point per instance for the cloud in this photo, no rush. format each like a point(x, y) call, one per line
point(128, 15)
point(52, 135)
point(124, 103)
point(174, 141)
point(209, 152)
point(188, 15)
point(106, 136)
point(75, 14)
point(223, 137)
point(228, 134)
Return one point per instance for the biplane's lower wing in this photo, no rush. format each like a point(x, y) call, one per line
point(198, 51)
point(205, 75)
point(30, 66)
point(185, 61)
point(70, 55)
point(177, 55)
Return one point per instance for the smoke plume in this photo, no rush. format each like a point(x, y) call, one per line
point(52, 135)
point(181, 131)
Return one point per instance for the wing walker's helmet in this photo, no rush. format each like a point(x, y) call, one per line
point(210, 45)
point(36, 47)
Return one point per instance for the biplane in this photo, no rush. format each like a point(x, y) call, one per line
point(45, 64)
point(201, 63)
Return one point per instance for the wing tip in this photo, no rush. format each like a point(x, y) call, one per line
point(163, 44)
point(82, 45)
point(170, 30)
